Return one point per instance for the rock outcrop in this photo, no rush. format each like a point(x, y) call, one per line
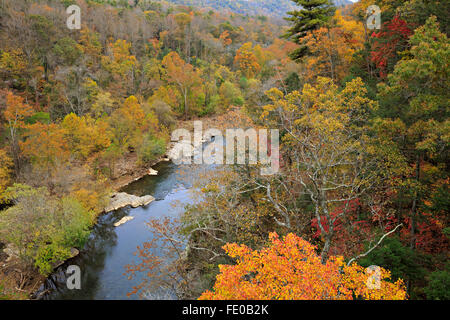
point(122, 200)
point(180, 151)
point(123, 221)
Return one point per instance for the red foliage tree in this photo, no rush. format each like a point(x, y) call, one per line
point(388, 42)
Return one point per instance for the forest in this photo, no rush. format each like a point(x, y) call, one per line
point(364, 143)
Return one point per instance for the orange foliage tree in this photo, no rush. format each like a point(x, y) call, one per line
point(225, 38)
point(183, 75)
point(15, 113)
point(247, 61)
point(45, 145)
point(289, 268)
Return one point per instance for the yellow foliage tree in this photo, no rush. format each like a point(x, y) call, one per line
point(122, 65)
point(247, 61)
point(184, 76)
point(332, 49)
point(6, 164)
point(84, 135)
point(127, 124)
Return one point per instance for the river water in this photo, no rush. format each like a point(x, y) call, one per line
point(109, 249)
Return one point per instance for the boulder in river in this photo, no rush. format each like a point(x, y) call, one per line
point(122, 199)
point(152, 172)
point(123, 221)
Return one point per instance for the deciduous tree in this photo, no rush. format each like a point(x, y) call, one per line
point(290, 269)
point(184, 76)
point(313, 15)
point(15, 113)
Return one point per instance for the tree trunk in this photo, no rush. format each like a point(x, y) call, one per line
point(326, 249)
point(186, 109)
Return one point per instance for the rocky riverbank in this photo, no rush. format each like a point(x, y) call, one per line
point(22, 284)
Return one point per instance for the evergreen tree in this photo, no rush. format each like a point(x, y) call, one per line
point(313, 15)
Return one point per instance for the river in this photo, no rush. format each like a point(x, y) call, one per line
point(109, 249)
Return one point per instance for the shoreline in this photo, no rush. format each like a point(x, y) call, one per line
point(137, 174)
point(117, 184)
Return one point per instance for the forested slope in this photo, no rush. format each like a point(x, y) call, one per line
point(363, 119)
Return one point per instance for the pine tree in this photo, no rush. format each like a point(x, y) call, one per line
point(313, 15)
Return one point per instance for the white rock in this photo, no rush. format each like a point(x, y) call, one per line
point(152, 172)
point(145, 200)
point(122, 199)
point(123, 221)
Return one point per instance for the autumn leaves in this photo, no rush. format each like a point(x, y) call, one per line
point(289, 269)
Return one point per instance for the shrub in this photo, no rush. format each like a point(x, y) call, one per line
point(439, 285)
point(43, 228)
point(151, 149)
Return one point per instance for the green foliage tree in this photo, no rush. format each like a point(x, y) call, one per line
point(439, 284)
point(402, 261)
point(230, 94)
point(151, 148)
point(415, 100)
point(67, 51)
point(42, 228)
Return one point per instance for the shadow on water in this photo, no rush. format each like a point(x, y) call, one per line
point(91, 261)
point(169, 177)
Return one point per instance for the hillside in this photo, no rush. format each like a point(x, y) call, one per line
point(274, 8)
point(307, 167)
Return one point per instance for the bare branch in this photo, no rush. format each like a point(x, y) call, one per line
point(376, 245)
